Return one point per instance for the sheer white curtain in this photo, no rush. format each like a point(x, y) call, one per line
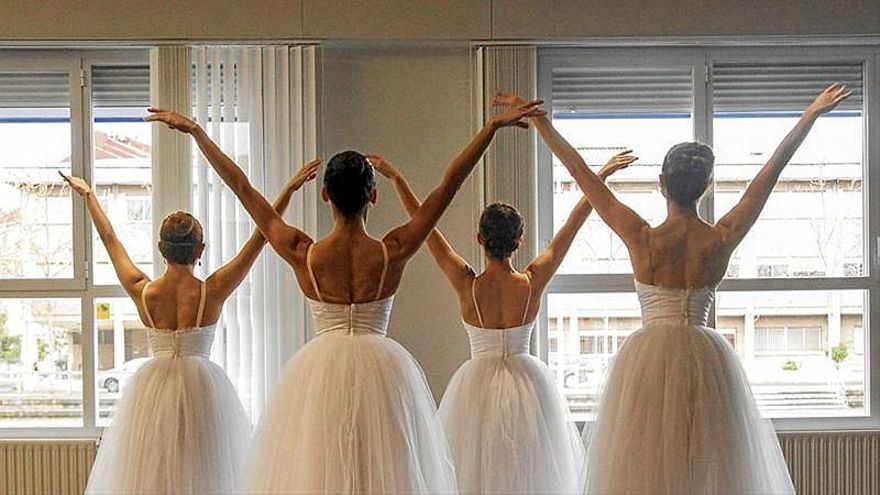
point(259, 105)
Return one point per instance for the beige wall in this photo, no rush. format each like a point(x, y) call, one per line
point(429, 19)
point(412, 105)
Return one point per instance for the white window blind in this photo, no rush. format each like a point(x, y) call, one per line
point(121, 86)
point(34, 89)
point(749, 87)
point(589, 90)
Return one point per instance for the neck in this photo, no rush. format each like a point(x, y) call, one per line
point(174, 270)
point(498, 265)
point(675, 210)
point(349, 226)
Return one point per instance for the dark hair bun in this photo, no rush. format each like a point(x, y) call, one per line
point(180, 237)
point(349, 180)
point(687, 168)
point(501, 226)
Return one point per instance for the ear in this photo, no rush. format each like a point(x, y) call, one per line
point(480, 240)
point(374, 196)
point(663, 185)
point(325, 195)
point(520, 240)
point(200, 250)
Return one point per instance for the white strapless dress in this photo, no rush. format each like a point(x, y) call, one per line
point(677, 414)
point(179, 428)
point(352, 413)
point(506, 423)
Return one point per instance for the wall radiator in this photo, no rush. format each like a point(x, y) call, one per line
point(833, 463)
point(51, 467)
point(830, 463)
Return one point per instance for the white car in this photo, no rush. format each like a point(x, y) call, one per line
point(113, 379)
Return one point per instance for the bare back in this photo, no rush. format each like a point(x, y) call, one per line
point(498, 300)
point(348, 269)
point(682, 252)
point(175, 303)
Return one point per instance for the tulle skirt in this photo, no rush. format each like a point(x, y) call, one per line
point(179, 428)
point(508, 429)
point(677, 416)
point(352, 413)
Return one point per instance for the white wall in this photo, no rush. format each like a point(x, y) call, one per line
point(412, 105)
point(429, 19)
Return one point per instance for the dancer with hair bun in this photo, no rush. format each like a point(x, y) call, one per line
point(677, 415)
point(352, 412)
point(179, 427)
point(506, 424)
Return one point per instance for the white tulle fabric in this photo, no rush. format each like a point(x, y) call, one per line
point(677, 415)
point(352, 413)
point(179, 427)
point(506, 424)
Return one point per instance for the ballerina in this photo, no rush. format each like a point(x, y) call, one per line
point(352, 412)
point(179, 426)
point(677, 414)
point(505, 422)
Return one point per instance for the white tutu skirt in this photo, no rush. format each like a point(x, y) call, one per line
point(352, 413)
point(178, 429)
point(508, 429)
point(677, 417)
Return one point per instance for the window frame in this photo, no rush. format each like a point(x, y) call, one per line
point(701, 59)
point(82, 286)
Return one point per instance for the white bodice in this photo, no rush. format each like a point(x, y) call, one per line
point(195, 342)
point(356, 318)
point(663, 305)
point(499, 342)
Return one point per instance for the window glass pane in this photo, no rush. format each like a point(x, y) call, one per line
point(586, 343)
point(122, 349)
point(798, 349)
point(122, 174)
point(40, 363)
point(602, 112)
point(36, 229)
point(812, 225)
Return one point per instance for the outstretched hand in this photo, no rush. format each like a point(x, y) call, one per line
point(383, 166)
point(829, 98)
point(172, 119)
point(77, 184)
point(507, 100)
point(616, 163)
point(517, 111)
point(306, 173)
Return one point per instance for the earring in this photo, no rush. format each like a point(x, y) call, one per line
point(200, 262)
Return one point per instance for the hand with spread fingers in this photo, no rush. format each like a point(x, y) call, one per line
point(829, 98)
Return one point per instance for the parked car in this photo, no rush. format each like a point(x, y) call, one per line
point(114, 379)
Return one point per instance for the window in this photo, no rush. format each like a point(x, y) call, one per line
point(799, 287)
point(64, 321)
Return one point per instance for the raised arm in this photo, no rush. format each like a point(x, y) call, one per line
point(625, 222)
point(130, 276)
point(405, 240)
point(228, 277)
point(284, 238)
point(457, 270)
point(737, 222)
point(544, 266)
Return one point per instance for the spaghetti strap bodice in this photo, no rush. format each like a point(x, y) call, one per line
point(188, 342)
point(499, 341)
point(351, 318)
